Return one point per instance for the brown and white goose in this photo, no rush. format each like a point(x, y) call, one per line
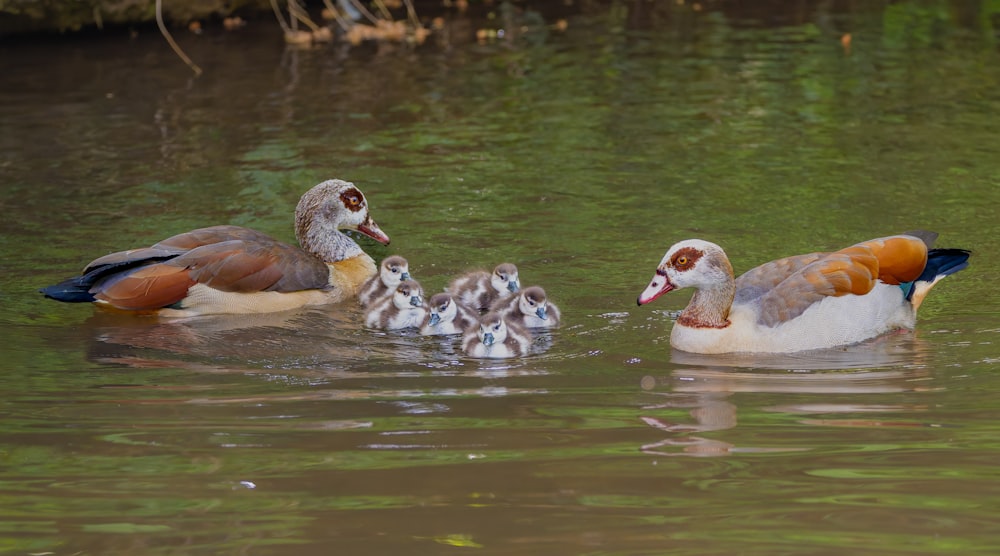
point(479, 289)
point(392, 271)
point(230, 269)
point(812, 301)
point(529, 307)
point(496, 338)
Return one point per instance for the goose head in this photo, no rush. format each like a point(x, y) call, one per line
point(692, 263)
point(442, 309)
point(492, 329)
point(408, 294)
point(394, 270)
point(532, 301)
point(504, 278)
point(331, 206)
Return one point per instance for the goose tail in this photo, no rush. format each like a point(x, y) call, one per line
point(940, 263)
point(74, 290)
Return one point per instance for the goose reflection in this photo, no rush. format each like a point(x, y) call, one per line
point(302, 345)
point(705, 385)
point(304, 340)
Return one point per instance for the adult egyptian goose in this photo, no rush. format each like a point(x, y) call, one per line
point(392, 271)
point(447, 316)
point(405, 308)
point(230, 269)
point(529, 307)
point(479, 289)
point(812, 301)
point(496, 338)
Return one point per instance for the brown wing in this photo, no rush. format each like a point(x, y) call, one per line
point(239, 266)
point(235, 265)
point(262, 258)
point(214, 234)
point(848, 271)
point(854, 270)
point(760, 280)
point(177, 245)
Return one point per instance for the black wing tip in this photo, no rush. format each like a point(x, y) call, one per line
point(69, 291)
point(942, 262)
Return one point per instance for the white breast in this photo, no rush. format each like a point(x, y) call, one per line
point(442, 328)
point(407, 318)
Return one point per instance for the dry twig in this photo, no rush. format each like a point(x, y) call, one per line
point(166, 34)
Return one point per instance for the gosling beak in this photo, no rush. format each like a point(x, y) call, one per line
point(512, 285)
point(657, 287)
point(541, 313)
point(404, 276)
point(435, 319)
point(416, 301)
point(488, 339)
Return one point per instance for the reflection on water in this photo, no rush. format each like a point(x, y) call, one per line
point(887, 365)
point(308, 344)
point(893, 349)
point(580, 155)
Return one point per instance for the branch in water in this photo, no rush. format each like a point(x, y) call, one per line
point(166, 34)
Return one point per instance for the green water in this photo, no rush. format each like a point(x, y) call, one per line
point(580, 156)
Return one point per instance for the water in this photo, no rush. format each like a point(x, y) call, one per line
point(580, 156)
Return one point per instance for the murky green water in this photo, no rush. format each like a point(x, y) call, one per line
point(581, 156)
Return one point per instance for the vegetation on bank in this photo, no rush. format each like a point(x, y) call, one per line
point(21, 16)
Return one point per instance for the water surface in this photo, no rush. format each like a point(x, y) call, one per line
point(579, 155)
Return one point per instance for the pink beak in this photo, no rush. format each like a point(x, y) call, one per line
point(657, 287)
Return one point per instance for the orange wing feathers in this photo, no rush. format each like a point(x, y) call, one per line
point(836, 274)
point(900, 258)
point(149, 287)
point(853, 270)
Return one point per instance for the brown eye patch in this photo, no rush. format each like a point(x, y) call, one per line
point(685, 258)
point(353, 199)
